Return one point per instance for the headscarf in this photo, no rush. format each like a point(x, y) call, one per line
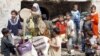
point(15, 20)
point(41, 24)
point(36, 5)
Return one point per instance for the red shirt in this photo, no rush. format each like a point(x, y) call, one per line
point(95, 19)
point(62, 27)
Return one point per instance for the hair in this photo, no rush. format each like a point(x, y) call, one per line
point(56, 31)
point(88, 44)
point(60, 15)
point(90, 33)
point(5, 31)
point(14, 11)
point(88, 14)
point(74, 5)
point(93, 6)
point(68, 13)
point(52, 34)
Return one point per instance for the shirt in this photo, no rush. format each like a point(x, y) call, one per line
point(6, 45)
point(62, 27)
point(14, 26)
point(75, 15)
point(71, 27)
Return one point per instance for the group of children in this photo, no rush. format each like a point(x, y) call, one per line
point(74, 29)
point(67, 30)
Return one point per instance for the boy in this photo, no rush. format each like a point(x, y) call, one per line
point(70, 31)
point(87, 26)
point(76, 17)
point(6, 46)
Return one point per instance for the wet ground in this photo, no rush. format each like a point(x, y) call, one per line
point(64, 53)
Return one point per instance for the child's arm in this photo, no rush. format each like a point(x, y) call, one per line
point(8, 44)
point(19, 25)
point(9, 26)
point(56, 46)
point(52, 45)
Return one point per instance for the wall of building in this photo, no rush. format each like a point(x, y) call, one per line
point(7, 5)
point(5, 8)
point(97, 3)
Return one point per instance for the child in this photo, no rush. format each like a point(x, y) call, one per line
point(95, 20)
point(76, 17)
point(14, 24)
point(6, 46)
point(62, 27)
point(93, 40)
point(91, 44)
point(70, 31)
point(55, 43)
point(85, 28)
point(89, 51)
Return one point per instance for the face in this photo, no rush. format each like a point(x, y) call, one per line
point(68, 17)
point(7, 34)
point(13, 15)
point(75, 7)
point(61, 18)
point(34, 9)
point(93, 10)
point(88, 17)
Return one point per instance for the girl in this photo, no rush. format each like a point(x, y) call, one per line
point(94, 19)
point(14, 24)
point(62, 27)
point(55, 43)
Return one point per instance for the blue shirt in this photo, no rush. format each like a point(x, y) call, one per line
point(75, 15)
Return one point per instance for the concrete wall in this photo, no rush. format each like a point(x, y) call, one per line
point(5, 8)
point(7, 5)
point(97, 3)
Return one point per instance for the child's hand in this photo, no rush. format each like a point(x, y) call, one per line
point(95, 46)
point(66, 21)
point(81, 33)
point(17, 45)
point(92, 20)
point(19, 31)
point(49, 41)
